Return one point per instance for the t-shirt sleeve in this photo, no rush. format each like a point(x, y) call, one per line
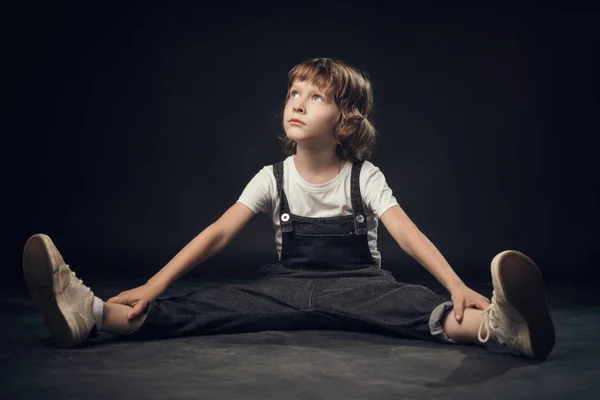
point(258, 193)
point(376, 193)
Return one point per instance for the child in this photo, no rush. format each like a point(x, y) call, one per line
point(325, 200)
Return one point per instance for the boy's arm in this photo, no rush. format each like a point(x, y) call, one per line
point(416, 244)
point(208, 243)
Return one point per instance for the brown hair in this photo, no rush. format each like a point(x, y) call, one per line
point(353, 94)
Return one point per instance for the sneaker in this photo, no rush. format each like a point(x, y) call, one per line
point(65, 302)
point(518, 315)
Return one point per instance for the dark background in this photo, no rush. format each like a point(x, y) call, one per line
point(127, 130)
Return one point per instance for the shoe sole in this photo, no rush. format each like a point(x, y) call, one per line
point(39, 266)
point(517, 271)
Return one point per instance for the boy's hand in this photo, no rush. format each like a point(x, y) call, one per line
point(463, 297)
point(137, 298)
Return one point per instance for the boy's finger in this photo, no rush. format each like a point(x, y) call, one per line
point(482, 304)
point(137, 309)
point(458, 309)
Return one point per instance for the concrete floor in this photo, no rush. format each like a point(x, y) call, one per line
point(294, 364)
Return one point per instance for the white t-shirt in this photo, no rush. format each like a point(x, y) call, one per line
point(322, 200)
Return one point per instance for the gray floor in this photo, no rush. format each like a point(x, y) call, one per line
point(294, 364)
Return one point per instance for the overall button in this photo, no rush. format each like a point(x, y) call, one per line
point(285, 217)
point(360, 218)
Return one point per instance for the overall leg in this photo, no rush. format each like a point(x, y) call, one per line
point(380, 304)
point(268, 303)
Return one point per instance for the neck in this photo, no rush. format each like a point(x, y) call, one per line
point(318, 166)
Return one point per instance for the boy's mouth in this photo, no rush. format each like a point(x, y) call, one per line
point(296, 120)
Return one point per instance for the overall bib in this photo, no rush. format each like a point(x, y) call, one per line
point(325, 279)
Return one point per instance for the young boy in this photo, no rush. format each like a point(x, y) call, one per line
point(325, 200)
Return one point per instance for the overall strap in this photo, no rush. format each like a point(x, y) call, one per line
point(360, 219)
point(284, 209)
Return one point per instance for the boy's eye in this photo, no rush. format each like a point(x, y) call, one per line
point(293, 94)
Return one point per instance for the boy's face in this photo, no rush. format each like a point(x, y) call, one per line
point(315, 109)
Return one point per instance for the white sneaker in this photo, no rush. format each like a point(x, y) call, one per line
point(518, 315)
point(65, 302)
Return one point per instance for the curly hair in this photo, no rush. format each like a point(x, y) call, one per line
point(353, 94)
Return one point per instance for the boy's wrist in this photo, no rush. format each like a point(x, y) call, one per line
point(455, 285)
point(157, 284)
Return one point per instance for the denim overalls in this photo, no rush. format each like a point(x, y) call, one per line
point(325, 279)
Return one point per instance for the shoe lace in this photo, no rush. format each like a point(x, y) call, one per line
point(491, 322)
point(81, 282)
point(487, 316)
